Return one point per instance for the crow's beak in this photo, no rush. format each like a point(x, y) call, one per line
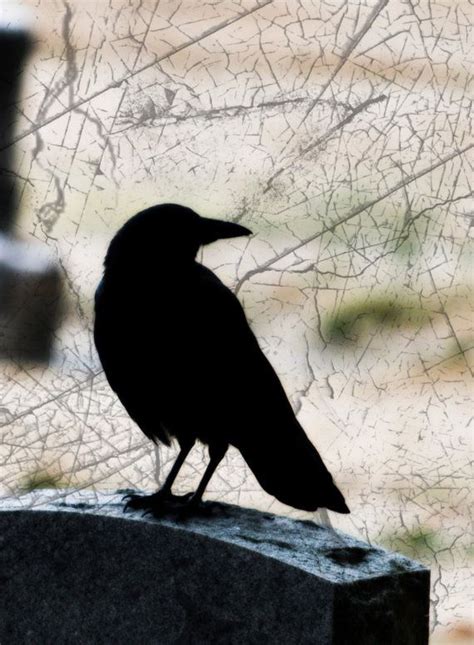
point(216, 229)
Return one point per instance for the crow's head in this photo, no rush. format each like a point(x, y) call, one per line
point(166, 231)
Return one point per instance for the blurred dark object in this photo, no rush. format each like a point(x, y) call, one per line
point(30, 285)
point(30, 295)
point(15, 44)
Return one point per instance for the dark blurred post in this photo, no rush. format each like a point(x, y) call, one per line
point(30, 284)
point(15, 45)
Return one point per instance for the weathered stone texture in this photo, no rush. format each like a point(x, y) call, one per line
point(80, 571)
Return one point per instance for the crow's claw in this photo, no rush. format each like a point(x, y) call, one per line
point(136, 502)
point(158, 504)
point(195, 509)
point(147, 511)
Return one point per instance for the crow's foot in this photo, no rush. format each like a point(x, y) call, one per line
point(158, 504)
point(199, 508)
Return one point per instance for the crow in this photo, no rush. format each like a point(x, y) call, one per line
point(178, 351)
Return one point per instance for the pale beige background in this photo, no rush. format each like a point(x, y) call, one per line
point(339, 133)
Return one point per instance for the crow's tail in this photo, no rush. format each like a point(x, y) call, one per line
point(291, 469)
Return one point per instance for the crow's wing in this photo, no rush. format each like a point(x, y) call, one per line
point(181, 355)
point(123, 342)
point(228, 360)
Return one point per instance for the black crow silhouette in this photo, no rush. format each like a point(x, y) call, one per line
point(177, 349)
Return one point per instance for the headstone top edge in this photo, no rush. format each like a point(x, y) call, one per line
point(318, 550)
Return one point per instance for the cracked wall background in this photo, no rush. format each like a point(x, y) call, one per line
point(339, 132)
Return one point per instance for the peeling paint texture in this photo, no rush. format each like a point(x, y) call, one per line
point(339, 132)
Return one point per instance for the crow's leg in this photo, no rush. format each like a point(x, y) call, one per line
point(163, 499)
point(216, 454)
point(185, 446)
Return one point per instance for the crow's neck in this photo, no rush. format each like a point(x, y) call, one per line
point(160, 268)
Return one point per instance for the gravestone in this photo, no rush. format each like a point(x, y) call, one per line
point(76, 569)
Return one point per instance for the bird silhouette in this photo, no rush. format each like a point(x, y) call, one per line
point(178, 351)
